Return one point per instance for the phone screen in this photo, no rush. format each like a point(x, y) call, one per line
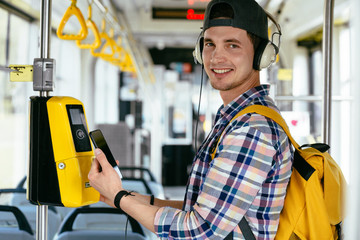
point(99, 142)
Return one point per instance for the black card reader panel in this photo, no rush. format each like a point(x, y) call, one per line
point(78, 128)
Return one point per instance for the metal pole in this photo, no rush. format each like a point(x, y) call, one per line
point(45, 31)
point(45, 28)
point(327, 63)
point(41, 222)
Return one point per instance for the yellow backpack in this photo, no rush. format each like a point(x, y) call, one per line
point(315, 196)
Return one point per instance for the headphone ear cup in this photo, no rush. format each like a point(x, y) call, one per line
point(269, 55)
point(265, 55)
point(197, 53)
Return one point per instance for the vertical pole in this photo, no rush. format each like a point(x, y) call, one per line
point(45, 28)
point(45, 31)
point(41, 222)
point(327, 63)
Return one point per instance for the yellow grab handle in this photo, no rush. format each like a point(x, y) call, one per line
point(120, 53)
point(106, 43)
point(127, 65)
point(97, 39)
point(72, 10)
point(92, 26)
point(108, 49)
point(105, 39)
point(118, 56)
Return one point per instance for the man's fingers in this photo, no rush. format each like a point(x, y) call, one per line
point(94, 169)
point(100, 156)
point(94, 166)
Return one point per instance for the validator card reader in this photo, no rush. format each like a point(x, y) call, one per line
point(60, 153)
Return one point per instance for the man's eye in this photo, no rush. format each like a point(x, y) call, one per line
point(209, 44)
point(233, 46)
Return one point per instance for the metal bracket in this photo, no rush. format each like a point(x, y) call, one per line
point(44, 74)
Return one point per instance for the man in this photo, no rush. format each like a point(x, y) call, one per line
point(252, 163)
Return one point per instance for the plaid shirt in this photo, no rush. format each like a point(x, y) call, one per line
point(248, 177)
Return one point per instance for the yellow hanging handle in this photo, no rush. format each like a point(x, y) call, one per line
point(127, 65)
point(119, 54)
point(109, 48)
point(90, 25)
point(107, 44)
point(72, 10)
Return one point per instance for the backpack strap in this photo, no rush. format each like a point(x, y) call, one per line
point(275, 116)
point(245, 229)
point(266, 112)
point(299, 163)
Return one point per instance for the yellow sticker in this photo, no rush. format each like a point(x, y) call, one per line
point(285, 74)
point(22, 73)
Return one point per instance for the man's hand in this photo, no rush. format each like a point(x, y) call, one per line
point(106, 181)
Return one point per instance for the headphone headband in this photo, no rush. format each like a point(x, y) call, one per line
point(264, 55)
point(274, 21)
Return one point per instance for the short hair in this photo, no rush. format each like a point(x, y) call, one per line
point(224, 10)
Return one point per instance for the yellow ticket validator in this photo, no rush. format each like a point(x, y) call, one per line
point(60, 153)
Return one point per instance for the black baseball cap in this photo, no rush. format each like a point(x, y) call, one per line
point(248, 15)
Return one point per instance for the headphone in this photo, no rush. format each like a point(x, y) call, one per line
point(264, 55)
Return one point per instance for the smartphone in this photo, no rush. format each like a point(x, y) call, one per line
point(99, 142)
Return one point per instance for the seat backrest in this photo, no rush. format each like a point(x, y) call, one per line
point(157, 189)
point(18, 199)
point(98, 223)
point(96, 235)
point(136, 184)
point(132, 172)
point(13, 224)
point(14, 234)
point(54, 219)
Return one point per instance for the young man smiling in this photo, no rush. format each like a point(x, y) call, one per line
point(228, 60)
point(248, 176)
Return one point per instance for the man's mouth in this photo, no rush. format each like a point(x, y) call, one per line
point(220, 71)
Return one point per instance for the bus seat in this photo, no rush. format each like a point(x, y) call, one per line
point(14, 225)
point(150, 182)
point(99, 223)
point(54, 219)
point(18, 199)
point(157, 189)
point(138, 185)
point(96, 235)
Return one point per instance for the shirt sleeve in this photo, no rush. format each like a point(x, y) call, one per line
point(234, 178)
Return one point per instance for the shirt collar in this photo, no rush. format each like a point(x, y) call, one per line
point(243, 100)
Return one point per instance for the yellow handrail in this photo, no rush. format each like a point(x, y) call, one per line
point(91, 25)
point(109, 48)
point(72, 10)
point(127, 65)
point(119, 54)
point(107, 44)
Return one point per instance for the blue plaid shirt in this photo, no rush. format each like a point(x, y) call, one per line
point(248, 177)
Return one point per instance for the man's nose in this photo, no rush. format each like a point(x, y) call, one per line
point(218, 55)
